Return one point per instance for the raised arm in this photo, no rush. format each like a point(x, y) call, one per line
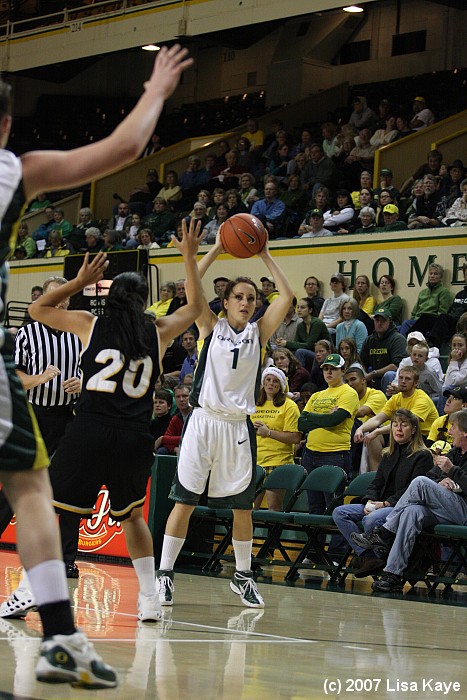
point(49, 170)
point(278, 308)
point(78, 322)
point(171, 326)
point(207, 318)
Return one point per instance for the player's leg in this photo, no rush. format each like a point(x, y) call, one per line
point(66, 655)
point(174, 539)
point(140, 548)
point(189, 483)
point(242, 540)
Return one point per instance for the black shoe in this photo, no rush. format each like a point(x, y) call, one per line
point(370, 566)
point(71, 569)
point(389, 583)
point(373, 540)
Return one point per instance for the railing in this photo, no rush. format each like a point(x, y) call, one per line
point(84, 13)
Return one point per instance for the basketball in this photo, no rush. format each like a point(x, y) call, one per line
point(243, 235)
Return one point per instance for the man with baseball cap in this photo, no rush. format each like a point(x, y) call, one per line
point(312, 225)
point(391, 220)
point(385, 183)
point(423, 116)
point(383, 350)
point(269, 288)
point(220, 283)
point(328, 419)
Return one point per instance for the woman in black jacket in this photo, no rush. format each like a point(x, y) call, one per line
point(404, 459)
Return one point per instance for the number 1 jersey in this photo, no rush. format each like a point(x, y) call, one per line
point(228, 373)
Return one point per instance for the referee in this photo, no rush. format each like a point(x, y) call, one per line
point(47, 364)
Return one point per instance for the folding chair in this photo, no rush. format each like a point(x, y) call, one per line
point(16, 313)
point(287, 477)
point(447, 572)
point(326, 479)
point(223, 518)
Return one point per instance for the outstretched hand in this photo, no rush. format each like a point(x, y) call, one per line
point(191, 237)
point(264, 253)
point(168, 67)
point(218, 244)
point(92, 272)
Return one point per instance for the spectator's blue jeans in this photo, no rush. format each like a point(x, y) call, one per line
point(407, 326)
point(386, 379)
point(348, 516)
point(305, 357)
point(424, 503)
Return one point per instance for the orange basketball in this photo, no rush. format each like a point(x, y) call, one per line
point(243, 235)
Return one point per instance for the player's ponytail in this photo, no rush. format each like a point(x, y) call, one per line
point(125, 309)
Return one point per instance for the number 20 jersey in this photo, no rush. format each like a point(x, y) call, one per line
point(228, 373)
point(113, 387)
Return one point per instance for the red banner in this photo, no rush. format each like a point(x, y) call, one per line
point(98, 534)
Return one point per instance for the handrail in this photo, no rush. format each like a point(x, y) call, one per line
point(449, 137)
point(83, 13)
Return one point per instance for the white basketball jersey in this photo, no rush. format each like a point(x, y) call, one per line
point(227, 376)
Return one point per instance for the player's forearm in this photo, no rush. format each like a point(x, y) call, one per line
point(29, 381)
point(193, 287)
point(280, 280)
point(207, 260)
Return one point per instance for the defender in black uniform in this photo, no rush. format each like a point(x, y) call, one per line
point(66, 655)
point(109, 441)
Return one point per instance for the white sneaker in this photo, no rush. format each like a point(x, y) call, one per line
point(245, 586)
point(18, 604)
point(165, 586)
point(72, 659)
point(149, 608)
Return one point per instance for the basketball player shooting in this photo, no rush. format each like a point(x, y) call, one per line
point(219, 440)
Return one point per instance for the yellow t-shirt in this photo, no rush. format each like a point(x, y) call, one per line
point(336, 438)
point(272, 453)
point(419, 403)
point(375, 400)
point(368, 305)
point(159, 308)
point(256, 139)
point(436, 425)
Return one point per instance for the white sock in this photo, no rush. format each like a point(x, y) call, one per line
point(146, 572)
point(48, 582)
point(171, 548)
point(242, 551)
point(24, 582)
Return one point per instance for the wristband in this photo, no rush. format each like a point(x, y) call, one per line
point(269, 434)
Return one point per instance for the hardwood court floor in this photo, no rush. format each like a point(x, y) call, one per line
point(209, 647)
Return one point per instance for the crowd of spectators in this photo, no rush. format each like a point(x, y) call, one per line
point(316, 184)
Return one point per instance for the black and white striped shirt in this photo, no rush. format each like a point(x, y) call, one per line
point(37, 346)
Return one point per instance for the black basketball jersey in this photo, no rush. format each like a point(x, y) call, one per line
point(112, 386)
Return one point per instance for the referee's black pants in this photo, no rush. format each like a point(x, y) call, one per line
point(52, 423)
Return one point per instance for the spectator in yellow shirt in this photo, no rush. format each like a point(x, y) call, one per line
point(328, 419)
